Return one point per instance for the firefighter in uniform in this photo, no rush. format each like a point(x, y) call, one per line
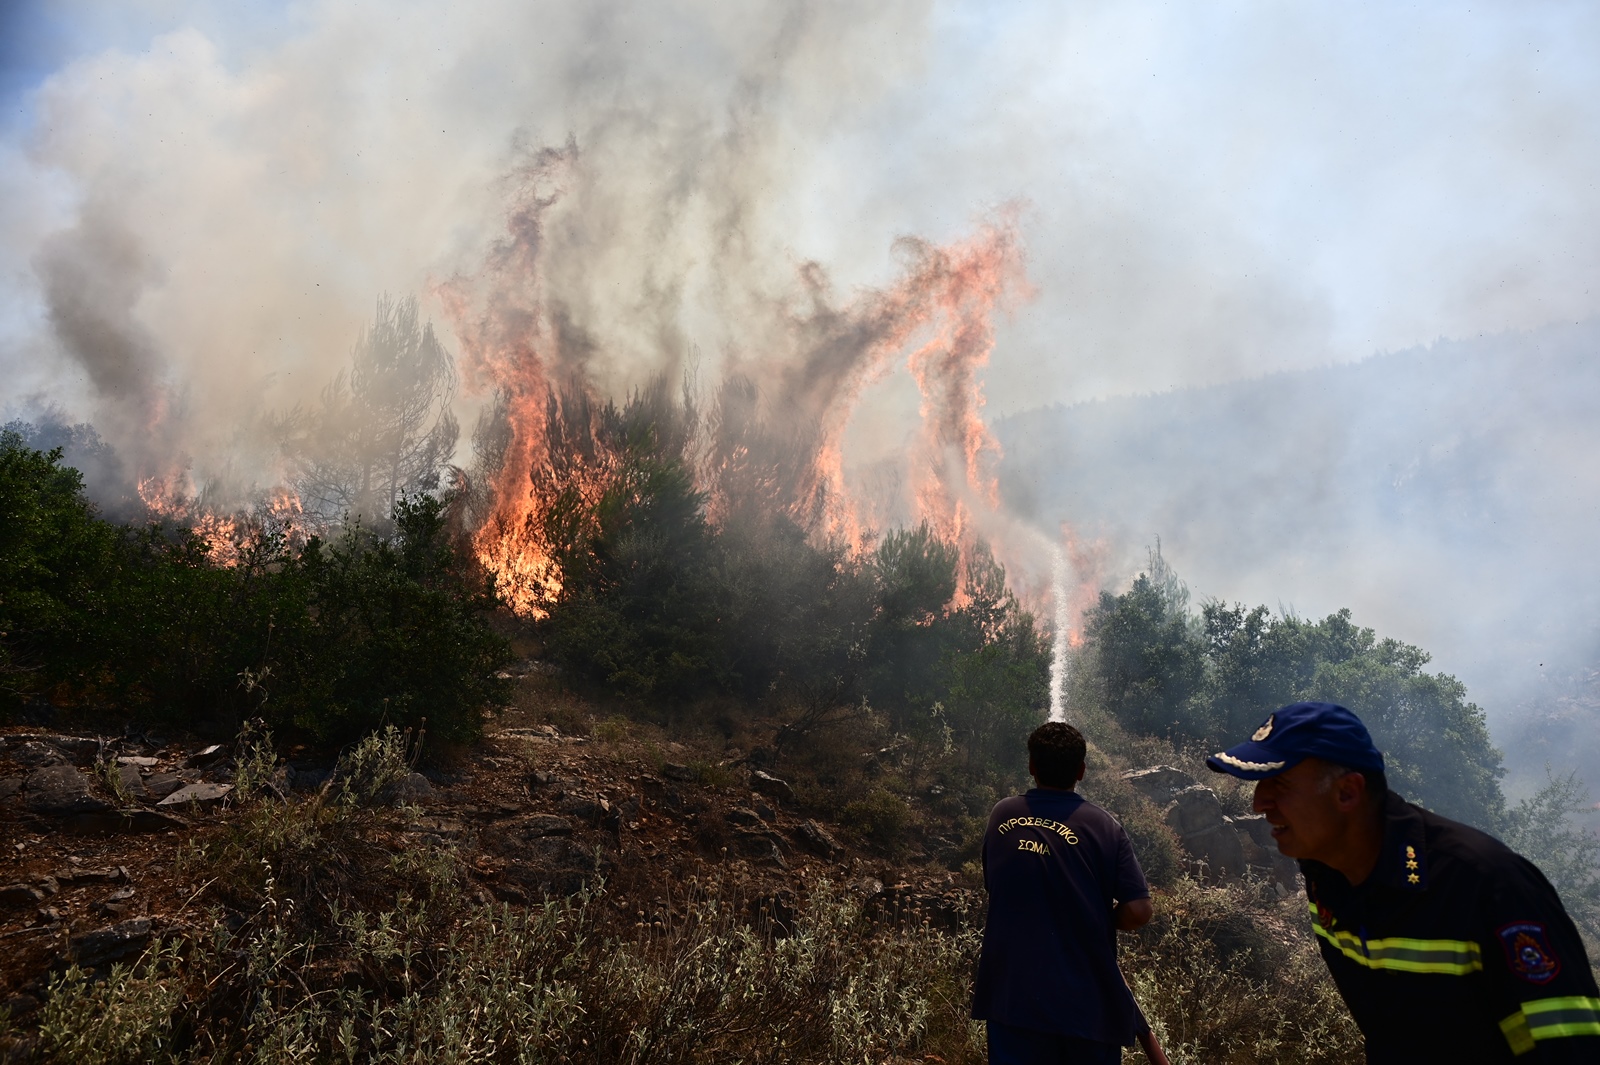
point(1062, 879)
point(1446, 945)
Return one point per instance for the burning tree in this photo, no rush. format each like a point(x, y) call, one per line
point(384, 428)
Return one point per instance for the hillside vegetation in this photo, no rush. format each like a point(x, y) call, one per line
point(723, 804)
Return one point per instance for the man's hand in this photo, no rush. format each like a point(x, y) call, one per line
point(1135, 913)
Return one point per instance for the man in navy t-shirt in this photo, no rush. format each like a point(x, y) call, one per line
point(1062, 878)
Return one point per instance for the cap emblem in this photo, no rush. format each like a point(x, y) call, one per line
point(1264, 731)
point(1248, 767)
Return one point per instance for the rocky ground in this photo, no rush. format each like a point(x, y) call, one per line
point(99, 833)
point(94, 830)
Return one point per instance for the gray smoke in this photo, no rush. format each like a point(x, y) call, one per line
point(199, 208)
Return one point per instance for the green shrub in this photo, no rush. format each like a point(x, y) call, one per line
point(57, 561)
point(1153, 668)
point(334, 639)
point(882, 817)
point(124, 1019)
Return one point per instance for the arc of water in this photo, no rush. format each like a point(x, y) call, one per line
point(1059, 574)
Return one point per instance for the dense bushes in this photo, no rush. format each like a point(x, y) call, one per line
point(660, 602)
point(1209, 679)
point(330, 639)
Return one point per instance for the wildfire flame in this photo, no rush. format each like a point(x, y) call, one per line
point(170, 499)
point(939, 317)
point(936, 321)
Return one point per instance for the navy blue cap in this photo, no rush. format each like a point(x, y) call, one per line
point(1296, 732)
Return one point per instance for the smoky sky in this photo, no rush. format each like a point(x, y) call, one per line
point(200, 202)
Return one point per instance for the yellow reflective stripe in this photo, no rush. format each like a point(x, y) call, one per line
point(1454, 957)
point(1551, 1018)
point(1516, 1032)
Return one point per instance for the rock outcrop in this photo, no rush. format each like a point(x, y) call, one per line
point(1221, 847)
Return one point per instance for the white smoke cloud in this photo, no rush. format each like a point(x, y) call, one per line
point(198, 211)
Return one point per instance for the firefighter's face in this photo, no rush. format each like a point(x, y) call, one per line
point(1304, 807)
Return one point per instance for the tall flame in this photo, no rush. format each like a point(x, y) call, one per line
point(939, 316)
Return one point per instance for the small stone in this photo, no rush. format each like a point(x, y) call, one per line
point(1159, 783)
point(771, 786)
point(138, 761)
point(35, 754)
point(82, 751)
point(585, 808)
point(206, 757)
point(132, 782)
point(16, 896)
point(674, 771)
point(201, 794)
point(61, 789)
point(414, 787)
point(540, 825)
point(94, 949)
point(10, 787)
point(746, 818)
point(761, 846)
point(117, 903)
point(18, 1005)
point(105, 874)
point(160, 785)
point(817, 839)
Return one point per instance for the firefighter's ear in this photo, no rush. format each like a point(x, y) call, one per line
point(1082, 769)
point(1350, 792)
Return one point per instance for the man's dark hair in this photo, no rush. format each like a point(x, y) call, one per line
point(1057, 751)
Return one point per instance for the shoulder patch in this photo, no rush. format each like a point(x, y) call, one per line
point(1528, 952)
point(1319, 911)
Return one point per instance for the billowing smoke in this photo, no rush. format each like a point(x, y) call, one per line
point(92, 276)
point(800, 208)
point(784, 397)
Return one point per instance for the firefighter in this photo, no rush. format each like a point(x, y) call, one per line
point(1062, 878)
point(1446, 945)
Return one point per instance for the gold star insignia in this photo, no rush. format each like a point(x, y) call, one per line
point(1414, 878)
point(1412, 864)
point(1411, 852)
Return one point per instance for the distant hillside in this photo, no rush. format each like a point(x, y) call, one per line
point(1448, 494)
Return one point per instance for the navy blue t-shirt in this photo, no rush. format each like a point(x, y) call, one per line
point(1055, 864)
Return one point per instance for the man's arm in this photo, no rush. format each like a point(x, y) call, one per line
point(1152, 1048)
point(1135, 913)
point(1536, 959)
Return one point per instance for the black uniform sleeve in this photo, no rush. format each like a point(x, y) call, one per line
point(1550, 1010)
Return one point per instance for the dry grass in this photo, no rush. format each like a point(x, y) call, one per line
point(1229, 975)
point(543, 985)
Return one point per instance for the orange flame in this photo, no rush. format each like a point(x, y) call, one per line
point(939, 315)
point(228, 537)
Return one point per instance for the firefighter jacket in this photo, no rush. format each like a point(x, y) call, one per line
point(1455, 949)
